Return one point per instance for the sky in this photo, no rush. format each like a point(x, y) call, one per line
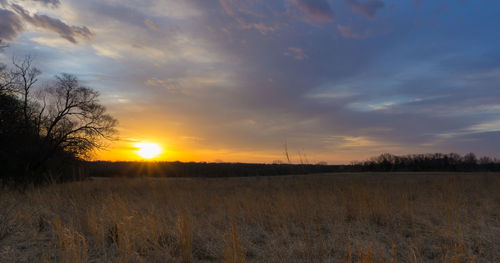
point(237, 81)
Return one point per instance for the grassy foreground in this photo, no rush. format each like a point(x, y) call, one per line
point(315, 218)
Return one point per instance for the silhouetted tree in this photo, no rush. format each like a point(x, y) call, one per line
point(42, 132)
point(73, 118)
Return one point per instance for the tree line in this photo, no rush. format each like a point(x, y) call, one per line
point(46, 132)
point(452, 162)
point(203, 169)
point(432, 162)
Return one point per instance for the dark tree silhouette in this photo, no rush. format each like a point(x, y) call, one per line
point(72, 119)
point(44, 133)
point(428, 162)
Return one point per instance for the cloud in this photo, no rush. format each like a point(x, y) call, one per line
point(317, 10)
point(122, 13)
point(241, 7)
point(265, 17)
point(295, 53)
point(347, 31)
point(367, 8)
point(50, 41)
point(10, 24)
point(360, 141)
point(70, 33)
point(249, 15)
point(261, 27)
point(152, 25)
point(54, 3)
point(227, 7)
point(171, 85)
point(105, 51)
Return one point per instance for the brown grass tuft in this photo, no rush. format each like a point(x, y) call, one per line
point(185, 226)
point(233, 252)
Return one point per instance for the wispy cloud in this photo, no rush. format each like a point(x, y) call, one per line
point(316, 10)
point(368, 8)
point(348, 32)
point(10, 24)
point(53, 3)
point(152, 25)
point(70, 33)
point(296, 53)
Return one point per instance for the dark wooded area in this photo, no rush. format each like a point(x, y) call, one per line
point(46, 133)
point(384, 163)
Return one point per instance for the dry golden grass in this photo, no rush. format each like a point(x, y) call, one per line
point(316, 218)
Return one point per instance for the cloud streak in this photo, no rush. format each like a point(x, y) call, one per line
point(70, 33)
point(368, 8)
point(348, 32)
point(296, 53)
point(316, 10)
point(10, 25)
point(53, 3)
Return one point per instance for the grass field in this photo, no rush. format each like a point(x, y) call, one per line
point(431, 217)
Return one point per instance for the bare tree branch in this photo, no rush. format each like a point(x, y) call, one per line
point(76, 121)
point(25, 76)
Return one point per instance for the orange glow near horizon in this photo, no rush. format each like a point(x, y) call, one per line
point(156, 148)
point(136, 146)
point(132, 150)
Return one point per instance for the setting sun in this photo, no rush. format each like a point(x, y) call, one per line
point(148, 150)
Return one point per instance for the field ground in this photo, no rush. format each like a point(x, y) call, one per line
point(399, 217)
